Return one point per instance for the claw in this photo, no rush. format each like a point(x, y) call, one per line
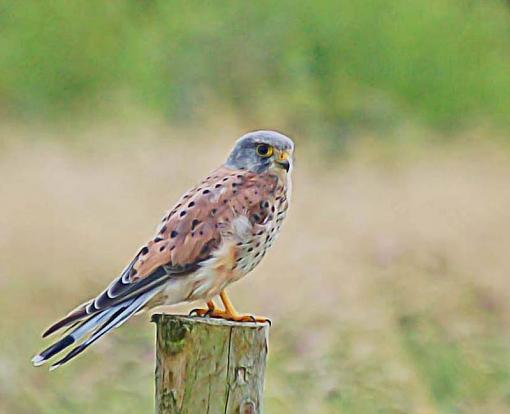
point(199, 312)
point(229, 314)
point(203, 312)
point(239, 318)
point(256, 319)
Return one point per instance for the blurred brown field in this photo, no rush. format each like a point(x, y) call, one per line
point(388, 288)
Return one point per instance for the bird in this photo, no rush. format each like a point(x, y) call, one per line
point(216, 234)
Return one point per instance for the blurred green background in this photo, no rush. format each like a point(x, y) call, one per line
point(389, 286)
point(323, 66)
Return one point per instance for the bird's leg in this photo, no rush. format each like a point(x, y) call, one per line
point(231, 314)
point(230, 311)
point(211, 308)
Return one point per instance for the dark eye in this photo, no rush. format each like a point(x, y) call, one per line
point(264, 150)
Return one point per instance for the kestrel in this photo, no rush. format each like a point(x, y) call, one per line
point(216, 234)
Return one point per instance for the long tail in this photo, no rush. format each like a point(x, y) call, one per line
point(95, 327)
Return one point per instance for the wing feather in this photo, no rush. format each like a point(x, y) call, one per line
point(187, 236)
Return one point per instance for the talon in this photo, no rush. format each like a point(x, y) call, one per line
point(199, 312)
point(247, 318)
point(257, 319)
point(211, 308)
point(239, 318)
point(231, 314)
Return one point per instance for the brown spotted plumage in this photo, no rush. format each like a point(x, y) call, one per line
point(216, 233)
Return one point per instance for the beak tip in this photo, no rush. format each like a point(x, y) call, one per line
point(285, 164)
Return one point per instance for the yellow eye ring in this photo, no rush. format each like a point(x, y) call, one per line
point(264, 150)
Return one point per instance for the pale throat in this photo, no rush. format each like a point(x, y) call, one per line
point(284, 178)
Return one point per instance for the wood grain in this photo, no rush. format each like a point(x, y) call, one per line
point(208, 365)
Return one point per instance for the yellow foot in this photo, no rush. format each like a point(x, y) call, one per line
point(231, 314)
point(199, 312)
point(236, 317)
point(211, 307)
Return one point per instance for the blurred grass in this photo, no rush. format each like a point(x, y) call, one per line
point(397, 263)
point(322, 67)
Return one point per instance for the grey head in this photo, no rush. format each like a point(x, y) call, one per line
point(261, 151)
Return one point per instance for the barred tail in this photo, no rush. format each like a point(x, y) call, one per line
point(95, 327)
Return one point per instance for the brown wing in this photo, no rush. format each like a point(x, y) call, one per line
point(188, 234)
point(195, 226)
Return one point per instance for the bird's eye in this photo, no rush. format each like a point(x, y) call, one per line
point(264, 150)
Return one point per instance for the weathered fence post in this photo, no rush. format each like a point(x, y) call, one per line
point(206, 365)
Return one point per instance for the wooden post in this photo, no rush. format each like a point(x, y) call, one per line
point(206, 365)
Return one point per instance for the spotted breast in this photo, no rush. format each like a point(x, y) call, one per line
point(238, 214)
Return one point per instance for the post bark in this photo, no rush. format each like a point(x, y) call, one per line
point(206, 365)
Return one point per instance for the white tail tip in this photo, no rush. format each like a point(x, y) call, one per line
point(38, 360)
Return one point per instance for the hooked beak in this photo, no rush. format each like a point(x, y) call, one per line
point(282, 161)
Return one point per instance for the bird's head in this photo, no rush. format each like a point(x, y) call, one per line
point(261, 151)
